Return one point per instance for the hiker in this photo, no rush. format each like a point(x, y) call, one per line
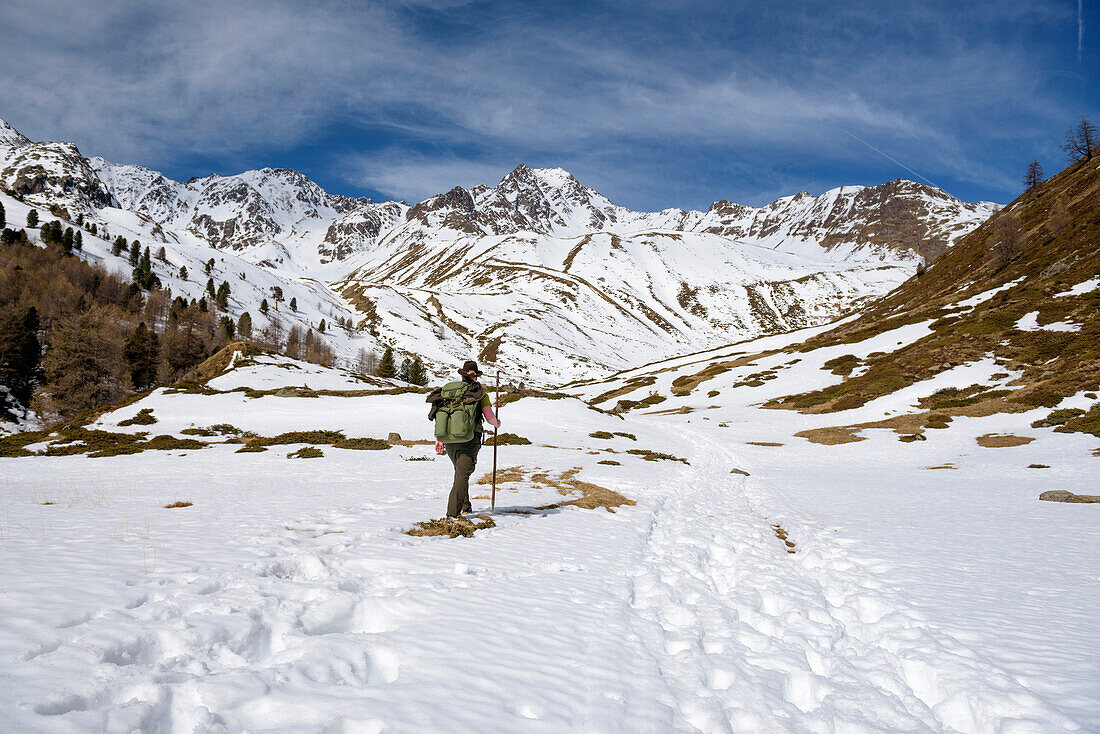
point(458, 409)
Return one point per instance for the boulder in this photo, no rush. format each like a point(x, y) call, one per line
point(393, 437)
point(1061, 495)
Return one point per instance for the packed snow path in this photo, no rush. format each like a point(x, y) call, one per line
point(297, 604)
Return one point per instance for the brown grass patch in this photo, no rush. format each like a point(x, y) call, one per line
point(763, 443)
point(609, 462)
point(1038, 466)
point(452, 527)
point(177, 504)
point(509, 474)
point(942, 466)
point(1003, 440)
point(832, 435)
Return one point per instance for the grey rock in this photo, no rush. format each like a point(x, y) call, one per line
point(1061, 495)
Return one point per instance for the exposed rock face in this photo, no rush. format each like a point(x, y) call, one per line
point(1061, 495)
point(52, 173)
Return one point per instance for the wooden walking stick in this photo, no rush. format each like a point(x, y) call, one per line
point(496, 435)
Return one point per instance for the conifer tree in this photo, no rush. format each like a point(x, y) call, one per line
point(202, 305)
point(228, 328)
point(244, 325)
point(116, 246)
point(183, 272)
point(293, 304)
point(263, 307)
point(222, 296)
point(277, 294)
point(386, 366)
point(403, 372)
point(209, 266)
point(3, 217)
point(1081, 140)
point(78, 240)
point(322, 326)
point(20, 353)
point(32, 218)
point(68, 240)
point(142, 352)
point(162, 255)
point(417, 374)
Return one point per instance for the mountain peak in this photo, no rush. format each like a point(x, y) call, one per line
point(12, 138)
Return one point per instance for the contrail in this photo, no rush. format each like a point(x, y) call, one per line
point(890, 158)
point(1080, 30)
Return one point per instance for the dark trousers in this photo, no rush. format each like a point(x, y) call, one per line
point(464, 458)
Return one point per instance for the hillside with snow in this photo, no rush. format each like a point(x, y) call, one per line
point(540, 274)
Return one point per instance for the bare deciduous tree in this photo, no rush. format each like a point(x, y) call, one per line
point(1008, 239)
point(1080, 141)
point(1033, 176)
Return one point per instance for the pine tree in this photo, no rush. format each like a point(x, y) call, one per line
point(68, 240)
point(263, 307)
point(277, 294)
point(228, 328)
point(3, 217)
point(403, 371)
point(293, 304)
point(32, 218)
point(417, 374)
point(20, 353)
point(183, 272)
point(209, 267)
point(80, 220)
point(92, 230)
point(78, 240)
point(142, 353)
point(117, 245)
point(222, 296)
point(162, 255)
point(386, 367)
point(244, 325)
point(202, 305)
point(322, 326)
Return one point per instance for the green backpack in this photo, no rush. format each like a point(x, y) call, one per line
point(456, 417)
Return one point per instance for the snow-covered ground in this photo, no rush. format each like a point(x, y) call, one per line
point(287, 598)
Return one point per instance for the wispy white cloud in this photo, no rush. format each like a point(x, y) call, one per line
point(460, 97)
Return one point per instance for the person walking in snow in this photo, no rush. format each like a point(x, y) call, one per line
point(458, 410)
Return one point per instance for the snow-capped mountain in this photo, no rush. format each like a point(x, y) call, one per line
point(539, 272)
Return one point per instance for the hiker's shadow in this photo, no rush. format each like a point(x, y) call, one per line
point(529, 510)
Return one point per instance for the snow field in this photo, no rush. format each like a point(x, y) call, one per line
point(287, 598)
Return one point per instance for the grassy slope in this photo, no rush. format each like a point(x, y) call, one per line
point(1054, 364)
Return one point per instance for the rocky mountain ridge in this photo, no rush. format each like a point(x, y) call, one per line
point(572, 284)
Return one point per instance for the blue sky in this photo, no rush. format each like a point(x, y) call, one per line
point(676, 103)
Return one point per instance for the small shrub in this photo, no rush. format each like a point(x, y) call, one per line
point(842, 365)
point(144, 417)
point(306, 452)
point(204, 432)
point(251, 448)
point(177, 504)
point(609, 462)
point(602, 434)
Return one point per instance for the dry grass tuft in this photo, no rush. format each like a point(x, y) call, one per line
point(306, 452)
point(1003, 440)
point(144, 417)
point(943, 466)
point(609, 462)
point(648, 455)
point(763, 443)
point(452, 527)
point(1038, 466)
point(177, 504)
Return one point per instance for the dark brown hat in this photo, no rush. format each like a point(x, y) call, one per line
point(470, 368)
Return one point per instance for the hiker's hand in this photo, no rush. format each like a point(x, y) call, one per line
point(439, 447)
point(495, 423)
